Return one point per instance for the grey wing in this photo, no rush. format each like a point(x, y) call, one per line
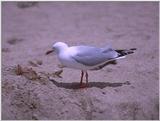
point(92, 56)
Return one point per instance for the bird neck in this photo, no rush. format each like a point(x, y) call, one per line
point(62, 49)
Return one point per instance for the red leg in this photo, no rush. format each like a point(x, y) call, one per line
point(82, 73)
point(86, 78)
point(82, 85)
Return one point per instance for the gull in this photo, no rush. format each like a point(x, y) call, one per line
point(86, 58)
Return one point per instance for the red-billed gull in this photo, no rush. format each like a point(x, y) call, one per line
point(87, 57)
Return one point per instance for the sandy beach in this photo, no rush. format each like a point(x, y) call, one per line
point(34, 87)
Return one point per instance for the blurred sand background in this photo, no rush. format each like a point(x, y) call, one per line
point(127, 90)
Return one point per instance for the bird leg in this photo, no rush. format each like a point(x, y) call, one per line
point(82, 85)
point(86, 78)
point(82, 73)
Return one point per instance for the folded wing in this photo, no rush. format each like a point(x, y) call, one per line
point(91, 56)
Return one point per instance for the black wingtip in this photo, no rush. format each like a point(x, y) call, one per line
point(126, 52)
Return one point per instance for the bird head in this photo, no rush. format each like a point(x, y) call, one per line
point(57, 47)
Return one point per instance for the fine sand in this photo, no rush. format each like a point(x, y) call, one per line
point(126, 90)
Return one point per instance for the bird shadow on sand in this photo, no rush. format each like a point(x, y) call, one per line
point(76, 85)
